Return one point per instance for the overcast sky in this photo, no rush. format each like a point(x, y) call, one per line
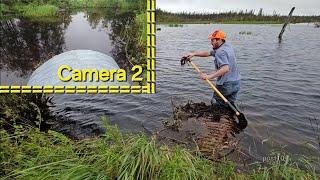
point(303, 7)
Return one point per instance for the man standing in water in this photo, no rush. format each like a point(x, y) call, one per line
point(227, 73)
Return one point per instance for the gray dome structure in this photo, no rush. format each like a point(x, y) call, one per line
point(47, 74)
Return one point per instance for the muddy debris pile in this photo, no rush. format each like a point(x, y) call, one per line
point(210, 130)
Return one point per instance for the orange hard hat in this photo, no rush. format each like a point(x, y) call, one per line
point(218, 35)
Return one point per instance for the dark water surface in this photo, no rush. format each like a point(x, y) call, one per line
point(280, 82)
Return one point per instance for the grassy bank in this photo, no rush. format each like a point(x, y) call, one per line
point(4, 9)
point(30, 154)
point(37, 11)
point(39, 8)
point(30, 151)
point(141, 20)
point(28, 110)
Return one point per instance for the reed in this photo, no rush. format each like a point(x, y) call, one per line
point(31, 154)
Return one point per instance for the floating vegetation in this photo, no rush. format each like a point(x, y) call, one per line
point(37, 11)
point(175, 25)
point(245, 32)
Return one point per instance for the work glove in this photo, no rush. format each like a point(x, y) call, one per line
point(184, 60)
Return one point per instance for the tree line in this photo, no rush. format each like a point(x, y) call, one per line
point(242, 15)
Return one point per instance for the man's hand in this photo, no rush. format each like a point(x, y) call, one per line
point(198, 54)
point(184, 60)
point(204, 76)
point(190, 55)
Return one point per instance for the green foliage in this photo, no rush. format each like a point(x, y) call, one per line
point(31, 154)
point(284, 169)
point(90, 4)
point(122, 4)
point(125, 5)
point(239, 17)
point(129, 34)
point(3, 9)
point(29, 148)
point(34, 11)
point(175, 25)
point(141, 20)
point(28, 110)
point(178, 163)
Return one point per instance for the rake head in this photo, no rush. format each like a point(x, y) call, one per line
point(242, 121)
point(184, 60)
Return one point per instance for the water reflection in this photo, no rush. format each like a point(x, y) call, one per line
point(125, 37)
point(81, 34)
point(26, 44)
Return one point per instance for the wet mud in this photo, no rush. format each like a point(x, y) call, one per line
point(208, 129)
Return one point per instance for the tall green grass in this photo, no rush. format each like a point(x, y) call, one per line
point(40, 8)
point(123, 5)
point(141, 20)
point(30, 154)
point(90, 4)
point(32, 10)
point(3, 9)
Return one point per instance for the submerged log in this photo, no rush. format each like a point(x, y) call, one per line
point(285, 24)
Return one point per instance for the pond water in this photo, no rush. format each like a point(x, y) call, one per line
point(280, 90)
point(26, 43)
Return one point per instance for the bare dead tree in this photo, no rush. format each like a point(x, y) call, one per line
point(285, 24)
